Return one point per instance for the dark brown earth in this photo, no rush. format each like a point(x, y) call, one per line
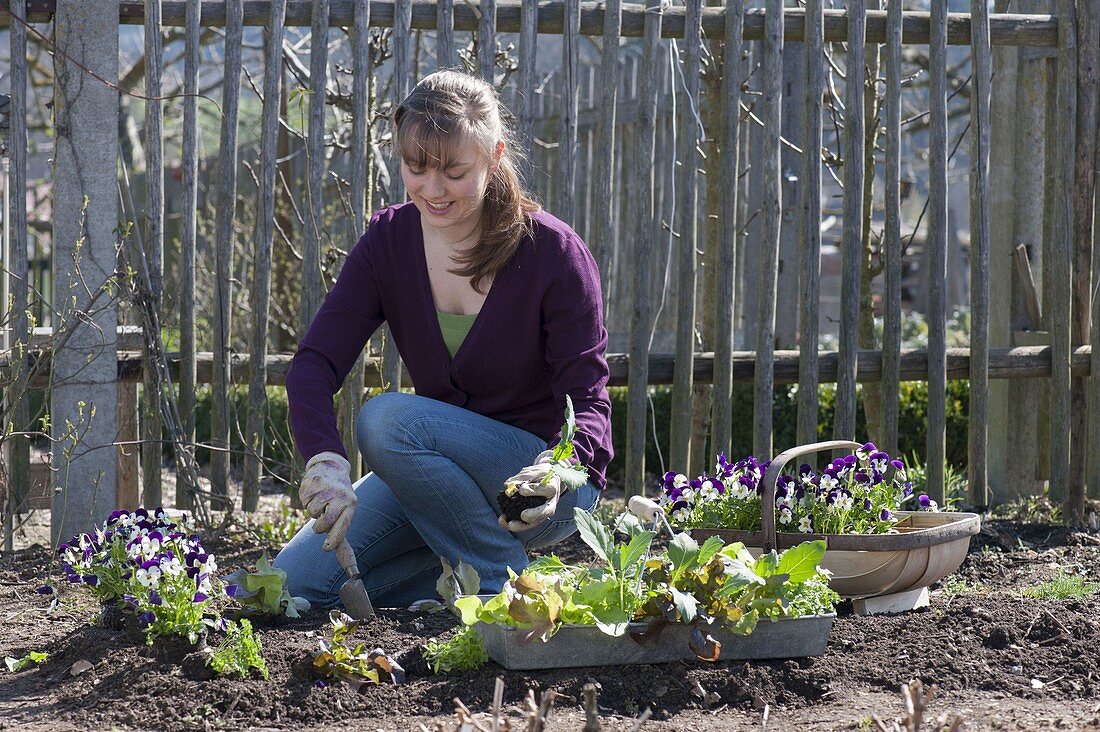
point(999, 659)
point(512, 506)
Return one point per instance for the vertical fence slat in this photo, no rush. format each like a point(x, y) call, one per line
point(566, 175)
point(686, 229)
point(937, 255)
point(185, 493)
point(852, 242)
point(891, 332)
point(1093, 467)
point(810, 250)
point(764, 383)
point(265, 242)
point(362, 184)
point(312, 284)
point(980, 124)
point(732, 74)
point(227, 195)
point(603, 233)
point(1084, 195)
point(1062, 252)
point(444, 33)
point(486, 39)
point(528, 49)
point(402, 84)
point(154, 244)
point(15, 397)
point(641, 206)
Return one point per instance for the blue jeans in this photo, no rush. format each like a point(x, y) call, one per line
point(437, 470)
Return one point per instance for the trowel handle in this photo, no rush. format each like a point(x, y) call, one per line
point(346, 555)
point(644, 508)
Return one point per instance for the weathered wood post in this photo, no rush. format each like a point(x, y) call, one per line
point(83, 395)
point(1016, 154)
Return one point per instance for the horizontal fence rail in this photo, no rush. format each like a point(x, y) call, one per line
point(1005, 29)
point(1021, 362)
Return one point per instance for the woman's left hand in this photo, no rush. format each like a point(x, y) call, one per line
point(530, 482)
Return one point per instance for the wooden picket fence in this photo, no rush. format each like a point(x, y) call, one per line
point(620, 214)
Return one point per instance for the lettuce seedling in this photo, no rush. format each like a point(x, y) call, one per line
point(338, 660)
point(264, 592)
point(18, 664)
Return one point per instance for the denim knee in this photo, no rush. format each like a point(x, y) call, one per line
point(379, 427)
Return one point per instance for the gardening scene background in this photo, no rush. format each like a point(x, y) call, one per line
point(814, 220)
point(799, 237)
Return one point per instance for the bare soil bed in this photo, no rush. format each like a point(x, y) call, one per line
point(999, 660)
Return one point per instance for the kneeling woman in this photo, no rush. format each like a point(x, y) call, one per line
point(496, 309)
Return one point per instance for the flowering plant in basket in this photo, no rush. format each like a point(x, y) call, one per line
point(149, 566)
point(859, 493)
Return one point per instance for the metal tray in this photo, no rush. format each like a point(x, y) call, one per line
point(578, 646)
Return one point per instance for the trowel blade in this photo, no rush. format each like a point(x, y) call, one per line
point(354, 596)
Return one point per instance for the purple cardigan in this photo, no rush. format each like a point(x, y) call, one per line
point(539, 336)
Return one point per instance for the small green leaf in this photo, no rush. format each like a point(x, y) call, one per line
point(800, 562)
point(627, 523)
point(469, 607)
point(468, 580)
point(18, 664)
point(710, 548)
point(633, 552)
point(682, 551)
point(572, 476)
point(686, 604)
point(595, 535)
point(767, 564)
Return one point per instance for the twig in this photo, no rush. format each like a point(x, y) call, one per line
point(641, 720)
point(591, 715)
point(545, 703)
point(498, 697)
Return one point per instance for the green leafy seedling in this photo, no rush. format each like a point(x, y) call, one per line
point(463, 652)
point(239, 652)
point(264, 591)
point(338, 659)
point(18, 664)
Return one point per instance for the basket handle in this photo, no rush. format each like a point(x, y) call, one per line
point(771, 477)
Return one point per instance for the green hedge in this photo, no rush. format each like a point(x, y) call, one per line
point(912, 422)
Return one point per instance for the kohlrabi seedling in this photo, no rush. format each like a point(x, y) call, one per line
point(512, 500)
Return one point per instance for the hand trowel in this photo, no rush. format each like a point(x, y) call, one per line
point(352, 593)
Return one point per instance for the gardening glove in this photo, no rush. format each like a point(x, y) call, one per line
point(529, 482)
point(327, 494)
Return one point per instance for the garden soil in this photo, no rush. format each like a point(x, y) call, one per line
point(998, 660)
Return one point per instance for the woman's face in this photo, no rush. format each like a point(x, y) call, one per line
point(450, 199)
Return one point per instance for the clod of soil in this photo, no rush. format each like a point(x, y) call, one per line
point(512, 506)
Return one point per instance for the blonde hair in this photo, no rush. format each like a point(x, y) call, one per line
point(443, 111)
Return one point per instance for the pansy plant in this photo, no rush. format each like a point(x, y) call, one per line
point(859, 493)
point(151, 567)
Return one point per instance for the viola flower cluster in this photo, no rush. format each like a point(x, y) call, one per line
point(149, 565)
point(859, 493)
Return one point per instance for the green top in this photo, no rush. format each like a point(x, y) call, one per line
point(454, 329)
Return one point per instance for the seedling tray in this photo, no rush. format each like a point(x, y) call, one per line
point(580, 646)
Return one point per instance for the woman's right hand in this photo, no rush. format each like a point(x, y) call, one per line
point(327, 494)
